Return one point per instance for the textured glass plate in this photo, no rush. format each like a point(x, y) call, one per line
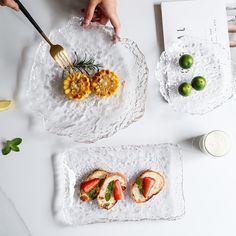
point(93, 118)
point(211, 61)
point(11, 223)
point(72, 166)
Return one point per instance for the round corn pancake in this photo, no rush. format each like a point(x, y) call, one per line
point(77, 86)
point(105, 83)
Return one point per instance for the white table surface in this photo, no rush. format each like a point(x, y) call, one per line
point(27, 177)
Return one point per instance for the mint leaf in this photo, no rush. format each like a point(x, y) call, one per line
point(6, 150)
point(11, 145)
point(15, 148)
point(110, 186)
point(93, 193)
point(108, 196)
point(16, 141)
point(8, 143)
point(139, 181)
point(140, 184)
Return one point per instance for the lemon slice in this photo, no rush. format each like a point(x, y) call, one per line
point(6, 104)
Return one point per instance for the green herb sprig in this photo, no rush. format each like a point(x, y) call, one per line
point(85, 65)
point(11, 145)
point(140, 185)
point(93, 193)
point(109, 191)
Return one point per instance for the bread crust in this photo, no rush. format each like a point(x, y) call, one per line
point(162, 184)
point(83, 196)
point(101, 196)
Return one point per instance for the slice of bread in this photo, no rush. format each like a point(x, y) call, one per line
point(99, 173)
point(101, 198)
point(136, 194)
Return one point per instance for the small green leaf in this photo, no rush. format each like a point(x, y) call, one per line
point(110, 186)
point(108, 196)
point(8, 143)
point(6, 150)
point(16, 141)
point(11, 145)
point(15, 148)
point(140, 184)
point(93, 193)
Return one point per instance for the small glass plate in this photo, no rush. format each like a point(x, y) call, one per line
point(73, 165)
point(94, 118)
point(11, 222)
point(211, 61)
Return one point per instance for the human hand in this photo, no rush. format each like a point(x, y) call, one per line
point(9, 3)
point(100, 12)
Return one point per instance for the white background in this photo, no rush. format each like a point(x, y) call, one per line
point(27, 177)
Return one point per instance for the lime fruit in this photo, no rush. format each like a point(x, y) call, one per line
point(198, 83)
point(185, 89)
point(186, 61)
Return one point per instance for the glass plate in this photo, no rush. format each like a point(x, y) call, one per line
point(73, 165)
point(212, 61)
point(11, 222)
point(93, 118)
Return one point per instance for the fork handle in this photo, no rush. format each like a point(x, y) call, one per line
point(30, 18)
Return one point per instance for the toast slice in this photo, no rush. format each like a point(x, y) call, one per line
point(137, 190)
point(105, 197)
point(99, 173)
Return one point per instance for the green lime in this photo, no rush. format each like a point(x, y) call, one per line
point(186, 61)
point(185, 89)
point(198, 83)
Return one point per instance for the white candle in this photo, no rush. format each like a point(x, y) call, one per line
point(216, 143)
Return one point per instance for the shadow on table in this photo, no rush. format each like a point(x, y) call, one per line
point(191, 144)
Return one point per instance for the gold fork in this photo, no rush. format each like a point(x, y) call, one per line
point(57, 52)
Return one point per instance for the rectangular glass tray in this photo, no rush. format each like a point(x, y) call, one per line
point(73, 165)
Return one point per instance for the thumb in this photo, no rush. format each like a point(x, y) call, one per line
point(89, 12)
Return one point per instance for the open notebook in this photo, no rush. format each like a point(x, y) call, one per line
point(206, 20)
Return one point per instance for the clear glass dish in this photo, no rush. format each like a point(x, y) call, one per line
point(212, 61)
point(11, 223)
point(94, 118)
point(71, 167)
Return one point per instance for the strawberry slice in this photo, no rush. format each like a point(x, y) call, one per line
point(89, 185)
point(118, 191)
point(148, 183)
